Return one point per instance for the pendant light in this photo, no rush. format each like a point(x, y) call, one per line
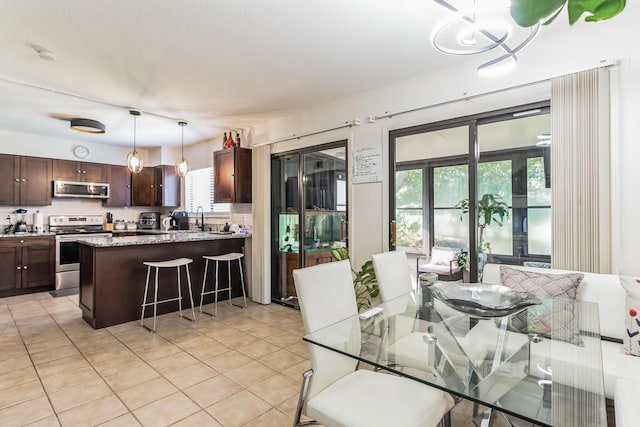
point(182, 168)
point(134, 159)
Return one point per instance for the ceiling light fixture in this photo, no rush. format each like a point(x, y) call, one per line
point(476, 29)
point(134, 159)
point(182, 168)
point(87, 125)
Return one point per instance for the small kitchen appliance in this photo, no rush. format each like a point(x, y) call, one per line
point(149, 221)
point(21, 224)
point(179, 220)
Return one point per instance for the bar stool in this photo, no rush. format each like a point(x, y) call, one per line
point(174, 263)
point(222, 258)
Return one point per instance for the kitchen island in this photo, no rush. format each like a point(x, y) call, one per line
point(112, 273)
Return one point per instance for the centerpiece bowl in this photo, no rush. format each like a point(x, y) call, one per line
point(483, 300)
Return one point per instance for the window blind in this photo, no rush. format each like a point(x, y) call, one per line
point(199, 191)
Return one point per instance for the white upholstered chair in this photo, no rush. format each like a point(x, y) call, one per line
point(333, 392)
point(443, 262)
point(406, 347)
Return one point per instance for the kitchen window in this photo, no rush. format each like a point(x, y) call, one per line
point(199, 192)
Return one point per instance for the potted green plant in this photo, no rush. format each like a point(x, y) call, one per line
point(490, 209)
point(365, 284)
point(463, 263)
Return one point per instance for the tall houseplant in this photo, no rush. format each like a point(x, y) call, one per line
point(491, 208)
point(365, 284)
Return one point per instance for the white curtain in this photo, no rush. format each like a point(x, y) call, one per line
point(580, 171)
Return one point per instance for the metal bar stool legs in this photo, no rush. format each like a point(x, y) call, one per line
point(175, 263)
point(222, 258)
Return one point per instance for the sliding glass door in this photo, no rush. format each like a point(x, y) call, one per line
point(309, 212)
point(479, 183)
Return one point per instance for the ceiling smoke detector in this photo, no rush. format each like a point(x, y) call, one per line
point(45, 54)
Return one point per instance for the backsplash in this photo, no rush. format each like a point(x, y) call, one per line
point(241, 214)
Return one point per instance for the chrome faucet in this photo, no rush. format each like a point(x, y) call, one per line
point(200, 226)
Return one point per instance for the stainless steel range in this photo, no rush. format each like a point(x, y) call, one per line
point(69, 229)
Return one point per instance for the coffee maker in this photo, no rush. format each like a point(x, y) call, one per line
point(21, 224)
point(179, 220)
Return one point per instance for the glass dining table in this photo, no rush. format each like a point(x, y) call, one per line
point(550, 376)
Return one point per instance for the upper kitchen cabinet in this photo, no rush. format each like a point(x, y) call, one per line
point(167, 186)
point(25, 180)
point(119, 179)
point(71, 170)
point(143, 184)
point(157, 186)
point(232, 175)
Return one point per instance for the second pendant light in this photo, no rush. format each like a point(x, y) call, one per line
point(182, 168)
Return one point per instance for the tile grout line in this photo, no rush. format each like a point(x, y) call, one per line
point(50, 316)
point(33, 365)
point(92, 367)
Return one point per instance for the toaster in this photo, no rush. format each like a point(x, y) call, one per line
point(149, 221)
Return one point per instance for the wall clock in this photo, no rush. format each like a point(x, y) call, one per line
point(80, 151)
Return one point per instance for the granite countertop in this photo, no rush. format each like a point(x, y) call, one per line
point(151, 239)
point(26, 234)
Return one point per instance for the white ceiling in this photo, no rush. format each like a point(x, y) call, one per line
point(219, 64)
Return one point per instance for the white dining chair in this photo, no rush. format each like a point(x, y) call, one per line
point(406, 347)
point(334, 392)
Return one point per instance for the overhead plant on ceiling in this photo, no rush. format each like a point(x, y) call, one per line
point(530, 12)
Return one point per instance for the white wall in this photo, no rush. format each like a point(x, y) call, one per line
point(456, 92)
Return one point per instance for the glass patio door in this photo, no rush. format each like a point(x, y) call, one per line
point(309, 213)
point(479, 183)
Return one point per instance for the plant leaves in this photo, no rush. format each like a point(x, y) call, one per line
point(529, 12)
point(340, 254)
point(599, 9)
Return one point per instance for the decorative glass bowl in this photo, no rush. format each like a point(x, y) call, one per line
point(483, 300)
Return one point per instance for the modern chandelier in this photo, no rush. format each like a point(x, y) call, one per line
point(182, 168)
point(476, 26)
point(134, 159)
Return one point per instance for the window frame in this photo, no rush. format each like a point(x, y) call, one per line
point(473, 153)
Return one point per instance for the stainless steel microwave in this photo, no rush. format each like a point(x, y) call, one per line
point(91, 190)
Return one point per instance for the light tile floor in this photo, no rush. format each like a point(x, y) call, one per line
point(242, 368)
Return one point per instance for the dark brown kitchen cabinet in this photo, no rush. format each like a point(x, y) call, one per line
point(167, 186)
point(232, 175)
point(31, 259)
point(156, 186)
point(119, 179)
point(25, 180)
point(9, 259)
point(71, 170)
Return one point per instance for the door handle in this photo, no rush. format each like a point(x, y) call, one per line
point(341, 229)
point(393, 233)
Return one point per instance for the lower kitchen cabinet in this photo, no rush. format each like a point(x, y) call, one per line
point(31, 259)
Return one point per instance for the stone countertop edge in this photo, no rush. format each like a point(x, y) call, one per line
point(14, 235)
point(152, 239)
